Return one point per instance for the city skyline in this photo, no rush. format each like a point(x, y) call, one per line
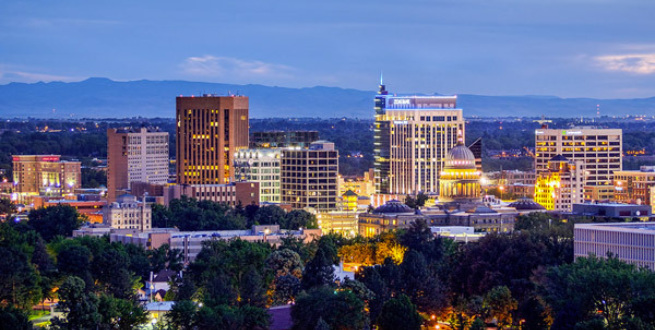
point(574, 48)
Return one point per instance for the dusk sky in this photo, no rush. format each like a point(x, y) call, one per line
point(567, 48)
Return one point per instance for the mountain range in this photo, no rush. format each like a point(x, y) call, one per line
point(105, 98)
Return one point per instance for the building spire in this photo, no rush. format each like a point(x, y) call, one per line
point(381, 80)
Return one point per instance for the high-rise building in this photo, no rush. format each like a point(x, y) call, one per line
point(562, 185)
point(309, 176)
point(45, 175)
point(600, 151)
point(263, 166)
point(412, 136)
point(210, 129)
point(135, 155)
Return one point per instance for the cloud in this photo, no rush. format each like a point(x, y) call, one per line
point(632, 63)
point(13, 75)
point(229, 68)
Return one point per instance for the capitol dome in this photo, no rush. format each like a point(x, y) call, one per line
point(393, 206)
point(460, 157)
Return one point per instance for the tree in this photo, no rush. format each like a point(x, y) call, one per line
point(7, 207)
point(118, 313)
point(500, 305)
point(399, 313)
point(299, 219)
point(12, 318)
point(319, 271)
point(80, 307)
point(19, 281)
point(420, 284)
point(410, 201)
point(75, 260)
point(162, 217)
point(183, 314)
point(286, 289)
point(339, 309)
point(285, 262)
point(270, 215)
point(421, 198)
point(251, 290)
point(58, 220)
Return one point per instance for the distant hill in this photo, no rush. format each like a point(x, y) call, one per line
point(104, 98)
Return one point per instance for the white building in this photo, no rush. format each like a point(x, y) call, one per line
point(632, 242)
point(600, 150)
point(135, 155)
point(128, 213)
point(263, 166)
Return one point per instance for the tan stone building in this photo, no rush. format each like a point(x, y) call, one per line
point(634, 186)
point(128, 213)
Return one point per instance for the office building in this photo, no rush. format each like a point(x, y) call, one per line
point(561, 185)
point(262, 166)
point(45, 175)
point(210, 130)
point(282, 139)
point(135, 155)
point(309, 176)
point(632, 242)
point(634, 186)
point(128, 213)
point(233, 193)
point(412, 136)
point(600, 150)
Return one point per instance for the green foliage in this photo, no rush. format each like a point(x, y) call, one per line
point(339, 309)
point(421, 285)
point(118, 313)
point(80, 308)
point(595, 287)
point(189, 214)
point(270, 215)
point(285, 262)
point(19, 281)
point(182, 315)
point(7, 207)
point(92, 178)
point(286, 289)
point(251, 289)
point(52, 221)
point(499, 304)
point(399, 313)
point(319, 271)
point(14, 319)
point(297, 219)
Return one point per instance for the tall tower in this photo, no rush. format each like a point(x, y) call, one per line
point(135, 155)
point(210, 129)
point(413, 135)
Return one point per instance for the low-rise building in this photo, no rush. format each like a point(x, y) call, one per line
point(561, 185)
point(632, 242)
point(612, 210)
point(128, 213)
point(634, 186)
point(246, 193)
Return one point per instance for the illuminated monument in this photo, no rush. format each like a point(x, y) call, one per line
point(460, 179)
point(412, 136)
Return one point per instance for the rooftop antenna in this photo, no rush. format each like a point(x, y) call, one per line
point(597, 110)
point(381, 80)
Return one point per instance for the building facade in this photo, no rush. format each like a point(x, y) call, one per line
point(246, 193)
point(412, 136)
point(600, 150)
point(309, 176)
point(210, 130)
point(135, 155)
point(282, 139)
point(262, 166)
point(45, 175)
point(561, 186)
point(460, 178)
point(634, 186)
point(632, 242)
point(128, 213)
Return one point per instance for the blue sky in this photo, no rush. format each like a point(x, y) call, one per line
point(573, 48)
